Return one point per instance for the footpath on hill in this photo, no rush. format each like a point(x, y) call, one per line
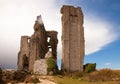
point(46, 80)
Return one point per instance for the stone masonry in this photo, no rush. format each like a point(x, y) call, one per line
point(52, 42)
point(38, 43)
point(23, 55)
point(72, 39)
point(40, 67)
point(33, 49)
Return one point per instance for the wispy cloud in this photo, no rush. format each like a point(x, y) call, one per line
point(98, 34)
point(107, 64)
point(17, 18)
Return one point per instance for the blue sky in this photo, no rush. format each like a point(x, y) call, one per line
point(101, 24)
point(109, 10)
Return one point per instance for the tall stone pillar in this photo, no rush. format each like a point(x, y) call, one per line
point(23, 54)
point(72, 39)
point(38, 43)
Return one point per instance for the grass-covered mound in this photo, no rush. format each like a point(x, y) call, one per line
point(103, 75)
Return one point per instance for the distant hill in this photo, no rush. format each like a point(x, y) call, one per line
point(7, 66)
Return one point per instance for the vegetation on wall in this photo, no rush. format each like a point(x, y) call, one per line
point(51, 64)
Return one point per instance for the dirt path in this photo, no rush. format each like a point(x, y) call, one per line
point(46, 81)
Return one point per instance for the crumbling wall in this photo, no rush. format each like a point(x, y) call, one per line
point(23, 54)
point(52, 42)
point(38, 43)
point(35, 48)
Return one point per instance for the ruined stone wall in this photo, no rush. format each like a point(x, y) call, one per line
point(23, 53)
point(72, 39)
point(52, 42)
point(33, 49)
point(38, 43)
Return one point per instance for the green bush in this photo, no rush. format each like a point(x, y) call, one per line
point(51, 64)
point(89, 67)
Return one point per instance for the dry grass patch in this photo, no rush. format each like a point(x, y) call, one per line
point(103, 75)
point(70, 80)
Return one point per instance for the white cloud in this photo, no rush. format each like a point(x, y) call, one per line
point(108, 63)
point(17, 18)
point(98, 34)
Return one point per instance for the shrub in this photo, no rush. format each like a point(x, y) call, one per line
point(51, 64)
point(89, 67)
point(20, 75)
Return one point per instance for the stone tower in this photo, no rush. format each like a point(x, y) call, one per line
point(72, 39)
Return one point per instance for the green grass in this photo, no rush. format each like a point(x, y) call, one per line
point(69, 80)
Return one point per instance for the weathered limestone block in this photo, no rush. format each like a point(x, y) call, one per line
point(23, 54)
point(72, 39)
point(40, 67)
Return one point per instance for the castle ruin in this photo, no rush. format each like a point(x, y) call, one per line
point(72, 39)
point(42, 44)
point(36, 47)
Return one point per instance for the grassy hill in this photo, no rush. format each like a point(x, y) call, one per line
point(103, 76)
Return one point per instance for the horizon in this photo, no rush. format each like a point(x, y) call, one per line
point(101, 27)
